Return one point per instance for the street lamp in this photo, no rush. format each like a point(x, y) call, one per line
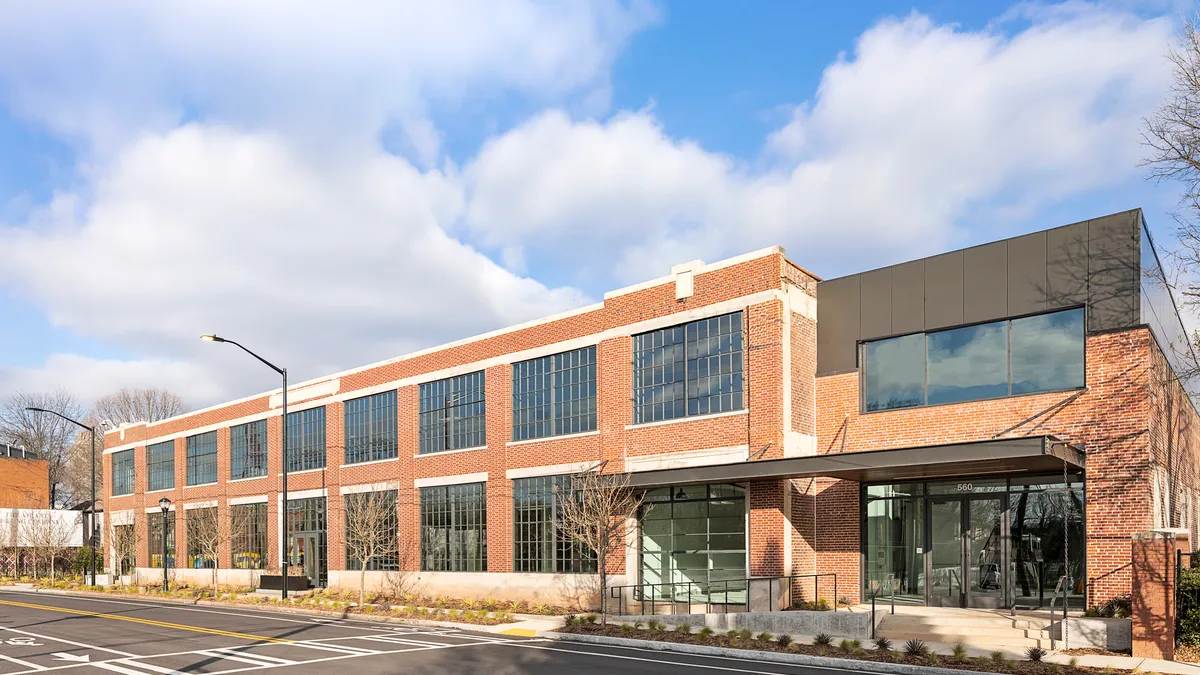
point(165, 505)
point(91, 566)
point(283, 443)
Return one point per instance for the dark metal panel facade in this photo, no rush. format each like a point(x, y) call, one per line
point(943, 290)
point(1066, 266)
point(985, 282)
point(908, 297)
point(837, 325)
point(875, 303)
point(1114, 272)
point(1027, 274)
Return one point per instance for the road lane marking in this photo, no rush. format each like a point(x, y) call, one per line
point(19, 662)
point(252, 655)
point(341, 649)
point(213, 654)
point(148, 622)
point(125, 668)
point(68, 642)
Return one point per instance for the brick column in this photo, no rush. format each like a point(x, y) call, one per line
point(1152, 558)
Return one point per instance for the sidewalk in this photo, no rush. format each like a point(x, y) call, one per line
point(1129, 663)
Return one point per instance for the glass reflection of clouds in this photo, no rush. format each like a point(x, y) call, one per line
point(1022, 356)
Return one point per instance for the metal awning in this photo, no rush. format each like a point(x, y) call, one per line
point(1033, 454)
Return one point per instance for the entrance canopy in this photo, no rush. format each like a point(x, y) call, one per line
point(1032, 454)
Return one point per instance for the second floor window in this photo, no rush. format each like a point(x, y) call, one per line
point(202, 458)
point(306, 439)
point(371, 428)
point(122, 473)
point(693, 369)
point(555, 395)
point(452, 414)
point(160, 466)
point(248, 450)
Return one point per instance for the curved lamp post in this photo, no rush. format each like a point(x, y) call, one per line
point(283, 444)
point(91, 566)
point(165, 505)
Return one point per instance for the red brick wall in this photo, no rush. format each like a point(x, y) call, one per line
point(24, 483)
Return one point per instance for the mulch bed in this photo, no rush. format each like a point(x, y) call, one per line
point(1187, 653)
point(979, 664)
point(1093, 651)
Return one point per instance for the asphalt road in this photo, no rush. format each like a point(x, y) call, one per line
point(42, 632)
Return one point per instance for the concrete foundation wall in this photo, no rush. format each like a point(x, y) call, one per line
point(194, 577)
point(574, 591)
point(839, 624)
point(1111, 634)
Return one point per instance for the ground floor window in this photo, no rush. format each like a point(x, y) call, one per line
point(454, 528)
point(125, 548)
point(372, 531)
point(307, 538)
point(539, 543)
point(248, 536)
point(692, 543)
point(154, 540)
point(204, 537)
point(975, 542)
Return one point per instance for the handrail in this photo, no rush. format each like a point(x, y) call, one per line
point(890, 579)
point(1060, 586)
point(694, 592)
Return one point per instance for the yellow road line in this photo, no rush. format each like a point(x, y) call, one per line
point(148, 622)
point(526, 632)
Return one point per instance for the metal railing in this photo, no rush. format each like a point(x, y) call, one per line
point(890, 580)
point(1060, 587)
point(731, 595)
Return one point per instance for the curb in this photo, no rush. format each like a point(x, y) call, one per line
point(499, 628)
point(751, 655)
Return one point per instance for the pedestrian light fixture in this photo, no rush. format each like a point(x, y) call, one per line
point(165, 505)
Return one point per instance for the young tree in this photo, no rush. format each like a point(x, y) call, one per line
point(139, 405)
point(204, 536)
point(596, 516)
point(372, 531)
point(124, 540)
point(48, 533)
point(48, 436)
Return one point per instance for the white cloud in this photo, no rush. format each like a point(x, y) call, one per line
point(90, 378)
point(921, 125)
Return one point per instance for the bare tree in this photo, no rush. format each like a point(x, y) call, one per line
point(372, 531)
point(139, 405)
point(9, 549)
point(48, 533)
point(47, 435)
point(124, 540)
point(81, 463)
point(596, 516)
point(204, 536)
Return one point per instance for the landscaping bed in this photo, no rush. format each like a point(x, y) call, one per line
point(914, 652)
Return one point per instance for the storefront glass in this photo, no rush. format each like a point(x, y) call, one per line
point(693, 543)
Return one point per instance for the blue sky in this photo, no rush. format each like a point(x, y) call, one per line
point(341, 187)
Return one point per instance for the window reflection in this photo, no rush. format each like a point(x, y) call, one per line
point(966, 364)
point(895, 372)
point(1045, 352)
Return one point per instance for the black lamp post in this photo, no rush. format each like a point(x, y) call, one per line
point(165, 505)
point(283, 443)
point(91, 566)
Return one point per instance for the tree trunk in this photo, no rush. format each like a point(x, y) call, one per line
point(362, 584)
point(601, 565)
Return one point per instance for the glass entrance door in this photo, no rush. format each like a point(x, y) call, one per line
point(965, 565)
point(303, 555)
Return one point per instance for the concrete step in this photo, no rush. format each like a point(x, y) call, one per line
point(952, 634)
point(899, 638)
point(969, 622)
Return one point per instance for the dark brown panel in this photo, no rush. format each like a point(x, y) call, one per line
point(1027, 274)
point(944, 290)
point(985, 282)
point(837, 325)
point(1067, 266)
point(908, 297)
point(1113, 272)
point(875, 304)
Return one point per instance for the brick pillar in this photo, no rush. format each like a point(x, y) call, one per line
point(1153, 569)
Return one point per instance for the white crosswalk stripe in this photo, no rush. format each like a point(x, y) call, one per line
point(404, 641)
point(340, 649)
point(126, 667)
point(254, 655)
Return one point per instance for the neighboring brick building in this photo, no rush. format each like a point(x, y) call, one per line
point(24, 479)
point(919, 432)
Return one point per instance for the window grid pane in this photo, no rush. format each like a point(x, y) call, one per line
point(693, 369)
point(248, 450)
point(539, 542)
point(197, 558)
point(371, 428)
point(462, 397)
point(306, 439)
point(248, 540)
point(122, 473)
point(154, 538)
point(390, 560)
point(160, 466)
point(202, 458)
point(454, 528)
point(555, 395)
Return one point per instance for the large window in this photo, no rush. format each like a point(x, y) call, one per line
point(453, 414)
point(127, 549)
point(371, 428)
point(539, 544)
point(248, 450)
point(693, 543)
point(154, 538)
point(306, 439)
point(693, 369)
point(1003, 358)
point(202, 458)
point(160, 466)
point(454, 528)
point(555, 395)
point(203, 534)
point(372, 529)
point(248, 536)
point(122, 473)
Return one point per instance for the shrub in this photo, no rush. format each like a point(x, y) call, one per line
point(590, 618)
point(1035, 654)
point(1074, 662)
point(783, 640)
point(705, 632)
point(637, 625)
point(570, 620)
point(626, 628)
point(916, 648)
point(765, 637)
point(998, 658)
point(959, 651)
point(823, 640)
point(652, 624)
point(882, 644)
point(844, 645)
point(685, 628)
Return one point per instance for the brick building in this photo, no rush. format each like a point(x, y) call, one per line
point(970, 427)
point(24, 479)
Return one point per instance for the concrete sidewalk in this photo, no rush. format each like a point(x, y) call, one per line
point(1129, 663)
